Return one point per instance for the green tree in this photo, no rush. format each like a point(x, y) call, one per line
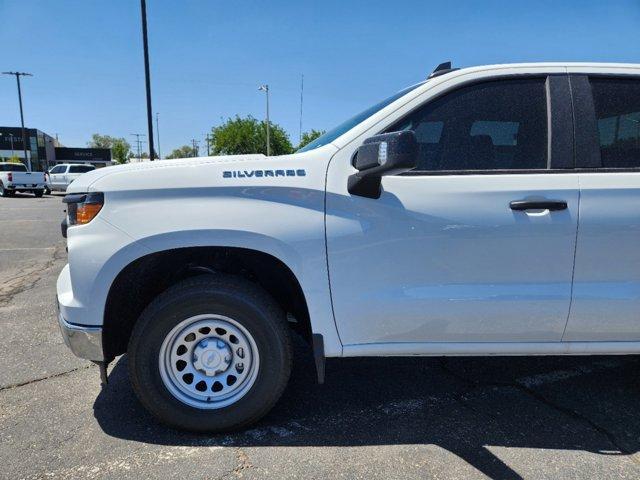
point(239, 136)
point(120, 148)
point(310, 136)
point(100, 141)
point(185, 151)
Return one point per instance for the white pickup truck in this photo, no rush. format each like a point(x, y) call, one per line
point(485, 211)
point(14, 177)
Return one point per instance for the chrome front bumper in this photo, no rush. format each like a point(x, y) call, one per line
point(84, 342)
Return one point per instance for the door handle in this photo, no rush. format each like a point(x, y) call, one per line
point(552, 205)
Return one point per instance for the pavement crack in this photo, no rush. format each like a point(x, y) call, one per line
point(27, 278)
point(41, 379)
point(243, 464)
point(545, 401)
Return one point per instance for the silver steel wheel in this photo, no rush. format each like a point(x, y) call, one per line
point(208, 361)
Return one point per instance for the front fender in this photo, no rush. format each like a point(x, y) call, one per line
point(308, 264)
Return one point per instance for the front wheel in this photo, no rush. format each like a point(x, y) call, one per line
point(210, 354)
point(38, 193)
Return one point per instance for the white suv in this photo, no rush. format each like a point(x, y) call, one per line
point(485, 211)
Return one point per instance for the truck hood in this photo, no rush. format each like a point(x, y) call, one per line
point(203, 172)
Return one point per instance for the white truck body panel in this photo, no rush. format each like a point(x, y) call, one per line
point(438, 265)
point(606, 280)
point(188, 203)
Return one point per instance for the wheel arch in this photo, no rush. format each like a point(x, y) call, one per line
point(146, 276)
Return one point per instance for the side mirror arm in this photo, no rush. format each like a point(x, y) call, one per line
point(369, 186)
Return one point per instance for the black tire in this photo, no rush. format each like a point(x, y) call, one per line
point(38, 193)
point(3, 191)
point(47, 191)
point(226, 295)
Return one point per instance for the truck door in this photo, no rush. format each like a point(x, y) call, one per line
point(606, 293)
point(461, 249)
point(54, 176)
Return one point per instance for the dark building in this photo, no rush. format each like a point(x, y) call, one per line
point(44, 151)
point(40, 146)
point(99, 157)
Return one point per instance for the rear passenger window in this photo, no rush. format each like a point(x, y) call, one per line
point(498, 125)
point(80, 169)
point(617, 105)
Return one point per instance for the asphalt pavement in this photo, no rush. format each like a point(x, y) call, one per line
point(508, 418)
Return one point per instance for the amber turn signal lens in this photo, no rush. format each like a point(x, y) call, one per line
point(87, 212)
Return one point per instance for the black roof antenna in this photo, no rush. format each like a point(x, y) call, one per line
point(442, 69)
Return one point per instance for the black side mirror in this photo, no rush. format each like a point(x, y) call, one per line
point(386, 154)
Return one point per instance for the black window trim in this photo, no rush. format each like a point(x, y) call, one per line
point(588, 159)
point(559, 118)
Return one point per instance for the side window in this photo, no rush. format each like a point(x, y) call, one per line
point(497, 125)
point(80, 169)
point(617, 106)
point(57, 169)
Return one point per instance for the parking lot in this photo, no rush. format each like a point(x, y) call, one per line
point(373, 418)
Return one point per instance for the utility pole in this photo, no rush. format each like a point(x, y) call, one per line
point(301, 93)
point(208, 139)
point(24, 136)
point(158, 133)
point(265, 88)
point(139, 144)
point(147, 75)
point(194, 143)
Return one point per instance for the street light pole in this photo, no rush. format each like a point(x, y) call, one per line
point(265, 88)
point(147, 75)
point(24, 137)
point(158, 133)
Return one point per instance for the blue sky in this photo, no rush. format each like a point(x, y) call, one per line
point(208, 57)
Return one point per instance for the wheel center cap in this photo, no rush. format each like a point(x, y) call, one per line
point(212, 356)
point(211, 359)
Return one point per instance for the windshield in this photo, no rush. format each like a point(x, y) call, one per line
point(13, 167)
point(331, 135)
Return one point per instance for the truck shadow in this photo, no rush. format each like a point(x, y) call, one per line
point(463, 405)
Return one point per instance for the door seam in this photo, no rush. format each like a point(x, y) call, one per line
point(575, 251)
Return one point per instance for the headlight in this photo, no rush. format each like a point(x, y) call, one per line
point(83, 207)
